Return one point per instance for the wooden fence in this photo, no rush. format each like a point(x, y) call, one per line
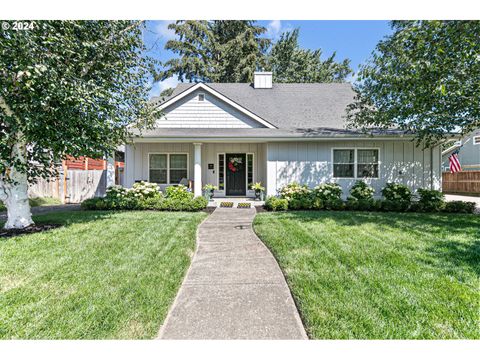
point(463, 182)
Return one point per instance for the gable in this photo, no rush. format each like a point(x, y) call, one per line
point(212, 112)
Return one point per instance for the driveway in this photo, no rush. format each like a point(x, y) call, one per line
point(47, 209)
point(234, 288)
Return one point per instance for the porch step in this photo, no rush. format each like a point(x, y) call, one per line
point(215, 202)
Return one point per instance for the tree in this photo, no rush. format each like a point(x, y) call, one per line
point(216, 51)
point(66, 88)
point(292, 64)
point(424, 78)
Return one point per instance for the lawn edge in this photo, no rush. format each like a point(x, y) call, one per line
point(301, 318)
point(175, 300)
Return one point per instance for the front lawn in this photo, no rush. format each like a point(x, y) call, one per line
point(103, 275)
point(361, 275)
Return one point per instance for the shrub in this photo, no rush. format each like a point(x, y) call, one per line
point(463, 207)
point(397, 192)
point(297, 196)
point(361, 191)
point(431, 200)
point(178, 192)
point(145, 190)
point(395, 205)
point(276, 204)
point(327, 192)
point(294, 191)
point(337, 204)
point(363, 204)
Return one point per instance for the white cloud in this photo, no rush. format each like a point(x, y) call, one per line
point(158, 87)
point(274, 29)
point(161, 28)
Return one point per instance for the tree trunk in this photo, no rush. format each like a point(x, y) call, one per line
point(15, 194)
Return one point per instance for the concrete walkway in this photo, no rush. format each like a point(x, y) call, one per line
point(234, 288)
point(37, 210)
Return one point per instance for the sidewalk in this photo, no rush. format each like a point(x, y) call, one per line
point(234, 288)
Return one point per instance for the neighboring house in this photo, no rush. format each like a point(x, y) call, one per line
point(235, 134)
point(469, 152)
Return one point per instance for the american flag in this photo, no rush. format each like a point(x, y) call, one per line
point(454, 162)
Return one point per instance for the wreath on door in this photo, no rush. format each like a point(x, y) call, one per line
point(234, 163)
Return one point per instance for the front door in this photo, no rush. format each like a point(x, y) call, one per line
point(235, 168)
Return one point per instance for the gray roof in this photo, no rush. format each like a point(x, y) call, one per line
point(263, 133)
point(288, 106)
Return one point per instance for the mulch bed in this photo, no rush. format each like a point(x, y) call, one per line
point(28, 230)
point(260, 209)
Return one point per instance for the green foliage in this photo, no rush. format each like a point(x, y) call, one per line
point(210, 187)
point(360, 191)
point(292, 64)
point(70, 88)
point(178, 192)
point(460, 207)
point(294, 191)
point(216, 51)
point(257, 187)
point(423, 78)
point(397, 192)
point(273, 203)
point(431, 200)
point(158, 203)
point(396, 205)
point(363, 204)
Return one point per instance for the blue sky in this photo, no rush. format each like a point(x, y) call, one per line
point(350, 39)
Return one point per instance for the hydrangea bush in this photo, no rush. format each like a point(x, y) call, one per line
point(397, 192)
point(361, 191)
point(294, 191)
point(179, 192)
point(328, 192)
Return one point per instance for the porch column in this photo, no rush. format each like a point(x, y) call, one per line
point(197, 170)
point(110, 171)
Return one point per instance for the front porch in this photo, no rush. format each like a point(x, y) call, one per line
point(231, 167)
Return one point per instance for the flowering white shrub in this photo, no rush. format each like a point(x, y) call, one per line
point(328, 192)
point(140, 190)
point(294, 191)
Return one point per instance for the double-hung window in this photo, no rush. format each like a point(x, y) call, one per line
point(168, 168)
point(355, 163)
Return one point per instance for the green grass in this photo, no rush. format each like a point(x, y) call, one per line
point(361, 275)
point(38, 201)
point(103, 275)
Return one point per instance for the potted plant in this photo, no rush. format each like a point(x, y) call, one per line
point(209, 190)
point(259, 189)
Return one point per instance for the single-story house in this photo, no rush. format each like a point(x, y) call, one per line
point(468, 154)
point(234, 134)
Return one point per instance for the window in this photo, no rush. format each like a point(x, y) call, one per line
point(344, 163)
point(168, 168)
point(158, 168)
point(367, 163)
point(178, 168)
point(201, 97)
point(250, 170)
point(355, 163)
point(476, 140)
point(221, 171)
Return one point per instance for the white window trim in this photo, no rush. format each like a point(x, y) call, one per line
point(476, 140)
point(168, 164)
point(355, 164)
point(246, 170)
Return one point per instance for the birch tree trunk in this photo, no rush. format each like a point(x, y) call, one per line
point(15, 193)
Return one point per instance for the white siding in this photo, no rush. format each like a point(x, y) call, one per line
point(189, 112)
point(311, 163)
